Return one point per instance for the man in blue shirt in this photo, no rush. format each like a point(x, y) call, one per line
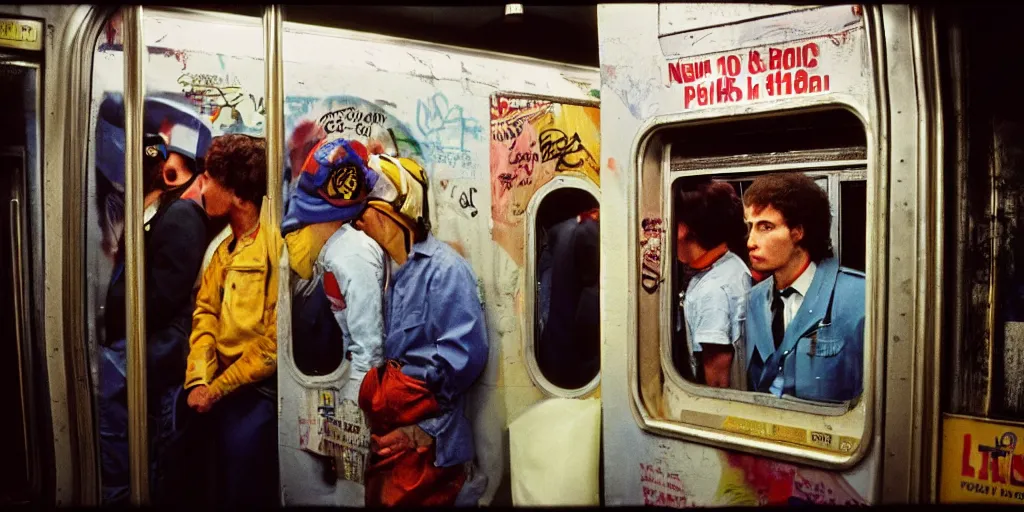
point(805, 324)
point(435, 346)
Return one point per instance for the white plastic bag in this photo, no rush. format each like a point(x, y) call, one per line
point(554, 453)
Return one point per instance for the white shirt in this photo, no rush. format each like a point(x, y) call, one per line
point(357, 263)
point(790, 307)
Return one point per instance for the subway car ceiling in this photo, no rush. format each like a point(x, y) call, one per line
point(563, 33)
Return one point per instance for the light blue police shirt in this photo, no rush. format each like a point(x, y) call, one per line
point(715, 306)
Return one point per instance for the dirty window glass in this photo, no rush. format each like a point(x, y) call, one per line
point(734, 237)
point(567, 329)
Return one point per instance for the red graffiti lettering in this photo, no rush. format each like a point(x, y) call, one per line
point(1017, 468)
point(688, 72)
point(722, 90)
point(966, 469)
point(729, 65)
point(810, 54)
point(754, 63)
point(791, 58)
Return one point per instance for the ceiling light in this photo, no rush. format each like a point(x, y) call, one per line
point(513, 9)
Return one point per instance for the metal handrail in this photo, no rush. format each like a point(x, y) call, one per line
point(134, 257)
point(274, 117)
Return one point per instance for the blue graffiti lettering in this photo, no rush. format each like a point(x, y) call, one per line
point(445, 124)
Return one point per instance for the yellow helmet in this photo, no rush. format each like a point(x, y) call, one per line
point(400, 190)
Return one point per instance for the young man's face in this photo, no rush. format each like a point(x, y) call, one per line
point(771, 242)
point(217, 199)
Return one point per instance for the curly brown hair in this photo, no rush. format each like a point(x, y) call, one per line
point(713, 213)
point(239, 163)
point(802, 203)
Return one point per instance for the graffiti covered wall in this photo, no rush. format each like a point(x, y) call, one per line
point(407, 100)
point(532, 141)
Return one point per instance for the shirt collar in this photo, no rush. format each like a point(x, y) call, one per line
point(426, 248)
point(150, 211)
point(803, 283)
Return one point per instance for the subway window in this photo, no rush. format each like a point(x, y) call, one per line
point(566, 306)
point(765, 298)
point(985, 198)
point(752, 307)
point(735, 236)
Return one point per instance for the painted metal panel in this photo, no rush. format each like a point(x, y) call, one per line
point(641, 88)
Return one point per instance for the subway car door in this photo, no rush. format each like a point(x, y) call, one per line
point(694, 94)
point(20, 270)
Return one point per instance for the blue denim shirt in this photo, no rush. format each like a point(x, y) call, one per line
point(822, 351)
point(435, 327)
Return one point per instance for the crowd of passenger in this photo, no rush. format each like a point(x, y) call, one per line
point(403, 307)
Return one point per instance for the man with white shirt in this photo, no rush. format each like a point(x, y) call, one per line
point(805, 322)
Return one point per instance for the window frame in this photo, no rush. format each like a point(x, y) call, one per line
point(651, 161)
point(529, 325)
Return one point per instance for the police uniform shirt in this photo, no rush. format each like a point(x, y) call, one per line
point(790, 306)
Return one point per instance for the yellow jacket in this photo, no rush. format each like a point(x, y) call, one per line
point(234, 327)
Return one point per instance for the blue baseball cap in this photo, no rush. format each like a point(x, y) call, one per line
point(334, 185)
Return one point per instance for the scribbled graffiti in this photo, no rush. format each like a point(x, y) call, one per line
point(217, 96)
point(465, 198)
point(443, 123)
point(454, 159)
point(568, 151)
point(352, 119)
point(661, 488)
point(753, 480)
point(532, 141)
point(711, 477)
point(651, 240)
point(355, 118)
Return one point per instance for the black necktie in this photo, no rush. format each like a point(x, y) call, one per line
point(778, 326)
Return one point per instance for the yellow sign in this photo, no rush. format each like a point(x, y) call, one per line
point(795, 435)
point(21, 34)
point(980, 461)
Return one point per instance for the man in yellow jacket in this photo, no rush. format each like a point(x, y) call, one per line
point(232, 360)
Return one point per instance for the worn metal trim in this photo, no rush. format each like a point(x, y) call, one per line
point(66, 150)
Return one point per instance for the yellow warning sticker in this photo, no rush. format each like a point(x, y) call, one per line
point(21, 34)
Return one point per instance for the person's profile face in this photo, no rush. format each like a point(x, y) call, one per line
point(770, 241)
point(682, 243)
point(216, 198)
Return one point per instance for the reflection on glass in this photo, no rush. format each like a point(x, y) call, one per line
point(800, 330)
point(202, 79)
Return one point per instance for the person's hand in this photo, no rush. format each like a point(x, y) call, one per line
point(408, 437)
point(202, 399)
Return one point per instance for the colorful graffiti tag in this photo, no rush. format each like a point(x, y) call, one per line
point(532, 141)
point(742, 480)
